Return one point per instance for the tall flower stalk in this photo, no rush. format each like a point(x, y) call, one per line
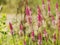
point(39, 17)
point(28, 14)
point(49, 11)
point(39, 39)
point(57, 14)
point(11, 30)
point(58, 19)
point(45, 34)
point(54, 38)
point(53, 20)
point(56, 6)
point(24, 42)
point(29, 20)
point(43, 5)
point(59, 27)
point(32, 35)
point(43, 9)
point(48, 2)
point(21, 28)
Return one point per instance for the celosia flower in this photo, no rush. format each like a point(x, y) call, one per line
point(48, 1)
point(39, 18)
point(38, 10)
point(39, 39)
point(28, 11)
point(59, 24)
point(11, 27)
point(39, 13)
point(56, 6)
point(57, 13)
point(21, 26)
point(21, 29)
point(30, 20)
point(48, 8)
point(53, 20)
point(32, 35)
point(54, 38)
point(42, 1)
point(43, 4)
point(24, 42)
point(45, 34)
point(28, 15)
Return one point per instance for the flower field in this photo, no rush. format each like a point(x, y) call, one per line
point(41, 27)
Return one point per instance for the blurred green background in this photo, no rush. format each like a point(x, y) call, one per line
point(10, 6)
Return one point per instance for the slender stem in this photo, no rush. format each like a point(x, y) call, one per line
point(13, 39)
point(29, 41)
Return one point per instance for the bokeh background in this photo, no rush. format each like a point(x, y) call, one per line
point(13, 20)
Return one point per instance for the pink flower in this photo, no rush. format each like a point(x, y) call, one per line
point(39, 38)
point(43, 5)
point(48, 0)
point(24, 42)
point(30, 20)
point(53, 20)
point(11, 27)
point(52, 17)
point(21, 27)
point(42, 1)
point(56, 6)
point(39, 13)
point(39, 17)
point(38, 10)
point(28, 15)
point(54, 38)
point(59, 24)
point(45, 34)
point(32, 35)
point(28, 11)
point(49, 8)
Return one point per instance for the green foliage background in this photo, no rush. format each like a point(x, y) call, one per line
point(10, 6)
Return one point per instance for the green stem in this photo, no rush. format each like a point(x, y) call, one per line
point(13, 39)
point(29, 41)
